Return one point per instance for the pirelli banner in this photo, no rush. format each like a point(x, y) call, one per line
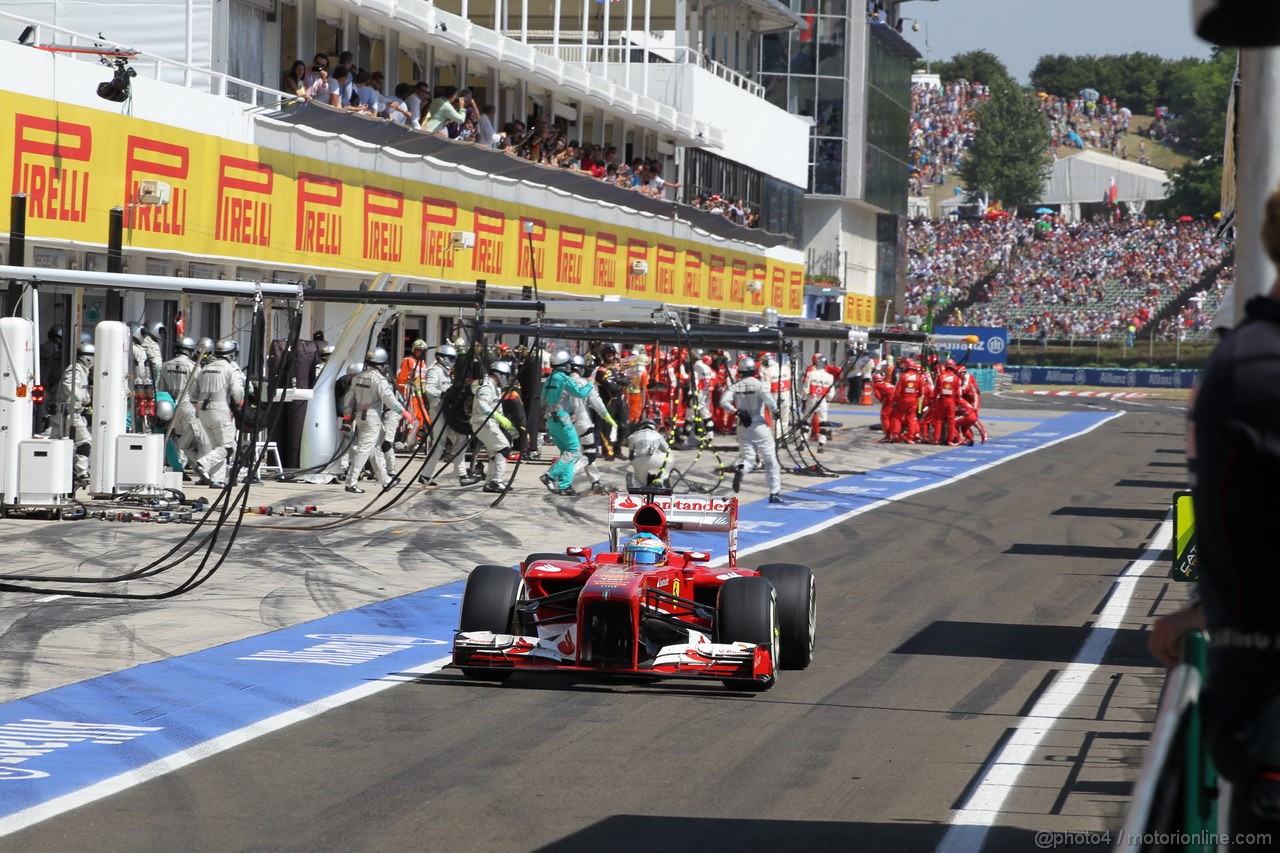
point(859, 310)
point(242, 202)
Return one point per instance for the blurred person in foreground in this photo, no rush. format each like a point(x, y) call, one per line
point(1233, 453)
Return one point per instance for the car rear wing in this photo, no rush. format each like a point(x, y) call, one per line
point(660, 513)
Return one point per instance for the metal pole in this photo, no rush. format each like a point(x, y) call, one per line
point(115, 262)
point(17, 249)
point(1258, 108)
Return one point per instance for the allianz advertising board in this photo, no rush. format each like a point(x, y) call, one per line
point(991, 346)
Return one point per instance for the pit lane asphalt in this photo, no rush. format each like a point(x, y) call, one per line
point(941, 618)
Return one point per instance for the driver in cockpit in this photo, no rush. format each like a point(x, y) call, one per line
point(645, 550)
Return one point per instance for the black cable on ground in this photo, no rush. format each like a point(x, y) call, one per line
point(248, 430)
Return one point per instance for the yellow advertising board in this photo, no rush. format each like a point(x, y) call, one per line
point(859, 310)
point(249, 203)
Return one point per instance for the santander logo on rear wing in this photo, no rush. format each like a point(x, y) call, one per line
point(683, 512)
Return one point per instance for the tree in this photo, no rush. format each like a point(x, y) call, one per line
point(1007, 161)
point(1064, 76)
point(1195, 189)
point(1197, 96)
point(976, 66)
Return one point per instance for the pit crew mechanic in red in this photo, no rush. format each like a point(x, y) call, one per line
point(945, 393)
point(1233, 451)
point(883, 390)
point(906, 396)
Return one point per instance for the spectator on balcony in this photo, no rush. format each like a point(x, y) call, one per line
point(593, 163)
point(486, 130)
point(363, 94)
point(444, 109)
point(466, 104)
point(639, 178)
point(570, 157)
point(657, 183)
point(341, 89)
point(417, 99)
point(398, 109)
point(295, 83)
point(316, 82)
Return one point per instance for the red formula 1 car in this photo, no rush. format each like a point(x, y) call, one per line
point(609, 614)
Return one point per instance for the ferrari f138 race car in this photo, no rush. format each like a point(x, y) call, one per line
point(646, 607)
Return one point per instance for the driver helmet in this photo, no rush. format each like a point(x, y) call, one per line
point(645, 549)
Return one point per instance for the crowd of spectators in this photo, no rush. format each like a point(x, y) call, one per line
point(1101, 278)
point(946, 257)
point(454, 113)
point(942, 127)
point(1195, 320)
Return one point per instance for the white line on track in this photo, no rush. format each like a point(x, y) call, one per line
point(168, 764)
point(49, 598)
point(970, 824)
point(76, 799)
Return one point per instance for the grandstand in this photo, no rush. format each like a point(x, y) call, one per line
point(1051, 279)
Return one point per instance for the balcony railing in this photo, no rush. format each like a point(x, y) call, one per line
point(153, 66)
point(572, 52)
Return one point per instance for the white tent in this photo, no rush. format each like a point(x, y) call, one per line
point(1086, 178)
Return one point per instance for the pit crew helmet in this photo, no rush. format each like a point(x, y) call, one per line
point(226, 347)
point(446, 352)
point(578, 363)
point(562, 358)
point(645, 549)
point(747, 367)
point(185, 345)
point(376, 356)
point(647, 423)
point(501, 368)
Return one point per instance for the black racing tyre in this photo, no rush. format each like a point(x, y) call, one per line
point(797, 611)
point(488, 604)
point(747, 612)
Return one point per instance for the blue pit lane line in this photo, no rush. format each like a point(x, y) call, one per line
point(72, 745)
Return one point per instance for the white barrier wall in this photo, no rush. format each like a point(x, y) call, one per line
point(111, 401)
point(17, 375)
